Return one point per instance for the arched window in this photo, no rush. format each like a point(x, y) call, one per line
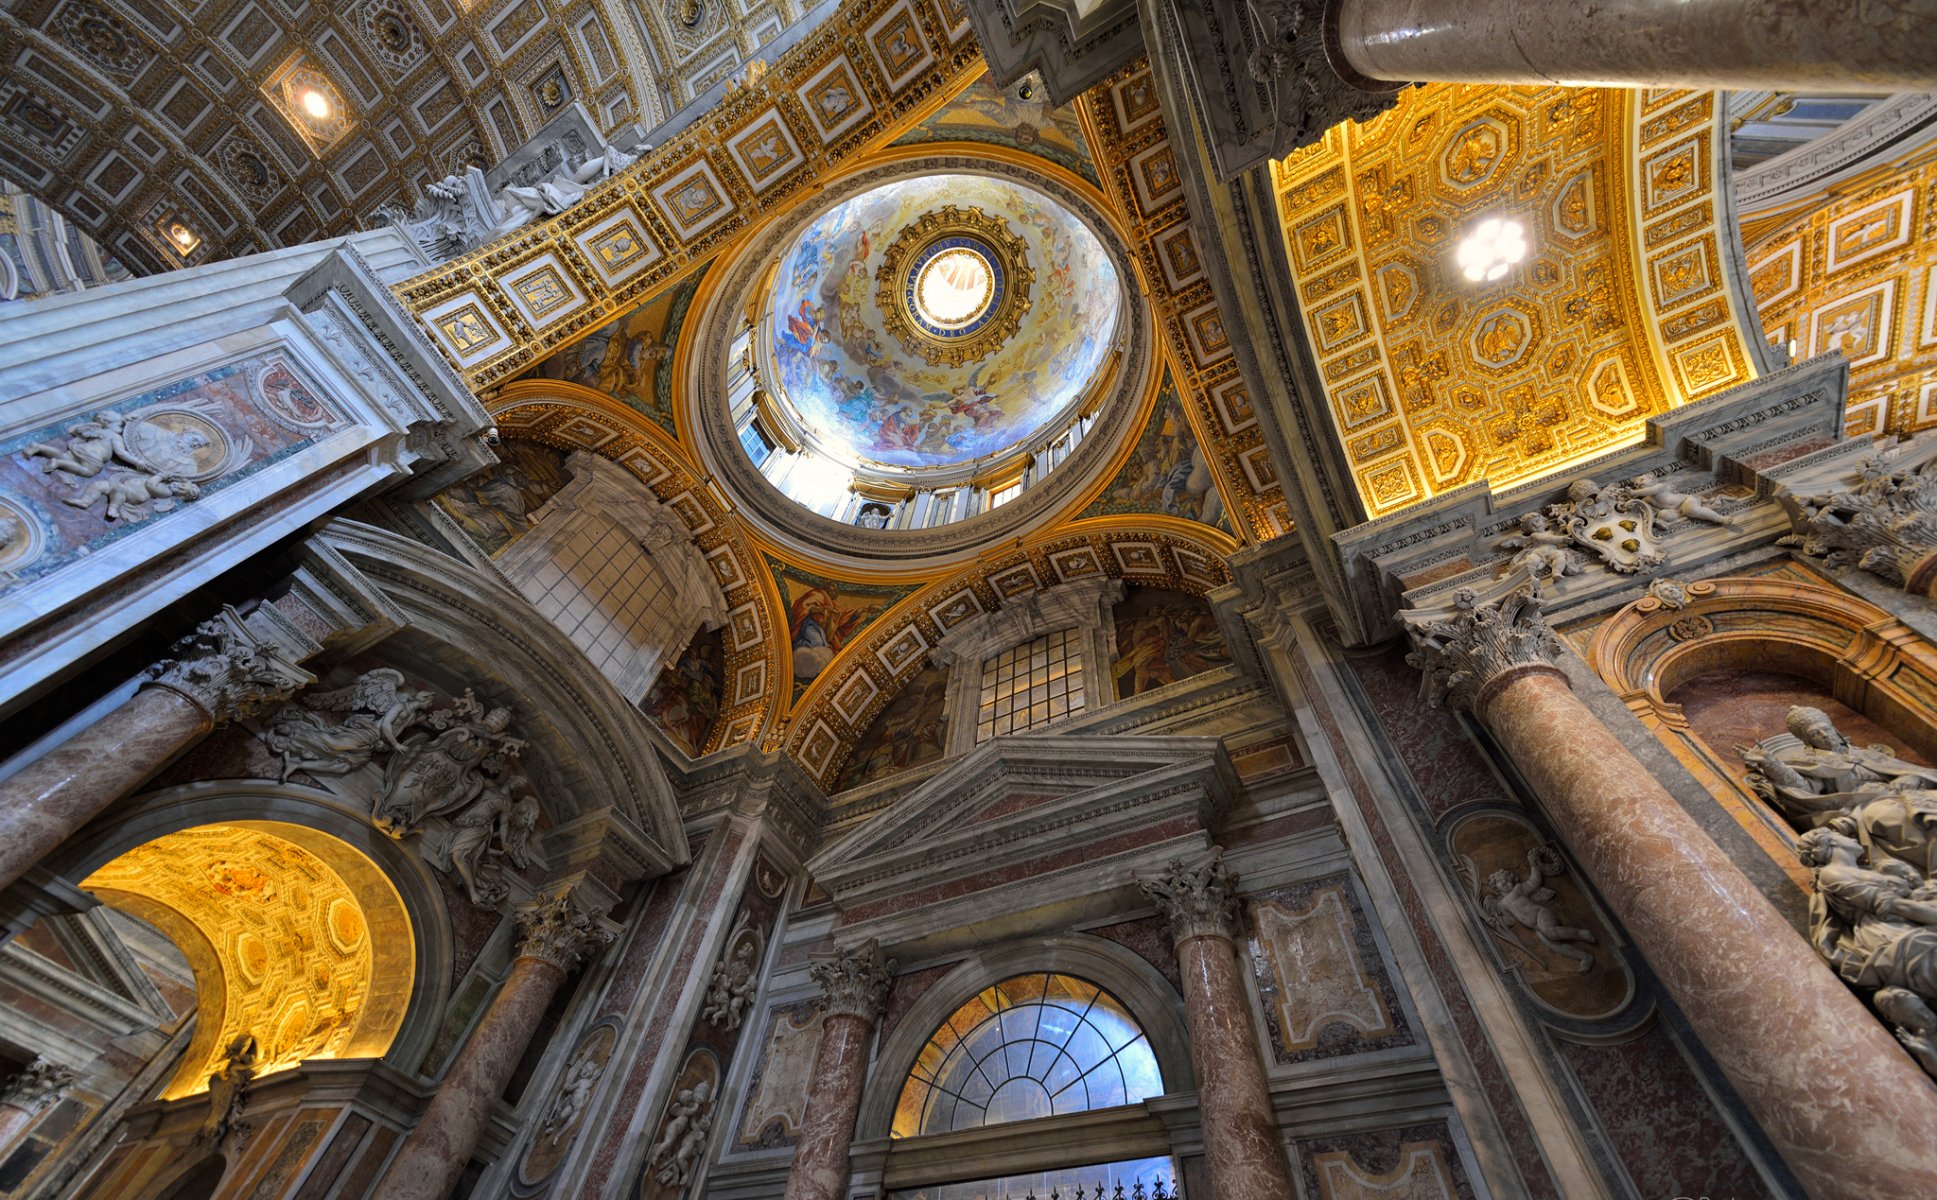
point(1035, 1045)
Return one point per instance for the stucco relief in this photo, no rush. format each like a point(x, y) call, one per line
point(1317, 968)
point(570, 1098)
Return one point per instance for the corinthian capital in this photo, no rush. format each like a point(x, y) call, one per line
point(1198, 899)
point(558, 930)
point(1467, 655)
point(38, 1082)
point(854, 982)
point(1885, 523)
point(227, 670)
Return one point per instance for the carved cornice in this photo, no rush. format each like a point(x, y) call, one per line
point(558, 930)
point(854, 983)
point(1198, 899)
point(1469, 655)
point(227, 671)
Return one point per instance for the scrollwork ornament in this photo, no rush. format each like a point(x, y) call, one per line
point(854, 982)
point(227, 671)
point(559, 931)
point(1197, 900)
point(1479, 643)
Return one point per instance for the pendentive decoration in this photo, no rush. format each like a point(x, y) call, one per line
point(1464, 655)
point(954, 285)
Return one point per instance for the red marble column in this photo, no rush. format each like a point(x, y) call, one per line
point(1242, 1149)
point(220, 672)
point(853, 986)
point(553, 935)
point(1845, 1106)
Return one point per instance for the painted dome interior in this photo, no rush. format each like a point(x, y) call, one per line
point(933, 322)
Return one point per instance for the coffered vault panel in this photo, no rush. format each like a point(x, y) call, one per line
point(853, 83)
point(1625, 306)
point(136, 115)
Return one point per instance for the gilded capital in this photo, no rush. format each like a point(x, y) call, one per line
point(39, 1082)
point(1199, 900)
point(227, 670)
point(1480, 645)
point(854, 982)
point(558, 930)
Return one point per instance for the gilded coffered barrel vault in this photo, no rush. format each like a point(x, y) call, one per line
point(1625, 306)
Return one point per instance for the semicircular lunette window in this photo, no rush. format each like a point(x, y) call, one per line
point(1033, 1046)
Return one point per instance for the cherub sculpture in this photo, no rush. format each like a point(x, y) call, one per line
point(730, 992)
point(574, 1093)
point(1512, 902)
point(380, 709)
point(1673, 505)
point(1546, 555)
point(228, 1093)
point(688, 1122)
point(132, 497)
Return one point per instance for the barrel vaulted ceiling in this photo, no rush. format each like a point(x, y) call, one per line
point(133, 117)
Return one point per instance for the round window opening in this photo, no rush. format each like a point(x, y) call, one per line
point(955, 287)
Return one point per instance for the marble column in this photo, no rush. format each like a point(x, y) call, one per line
point(38, 1084)
point(1819, 45)
point(553, 935)
point(221, 671)
point(1843, 1104)
point(853, 986)
point(1242, 1150)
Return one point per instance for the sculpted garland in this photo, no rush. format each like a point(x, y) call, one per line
point(449, 775)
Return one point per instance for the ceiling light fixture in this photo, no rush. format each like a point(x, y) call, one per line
point(1490, 251)
point(316, 104)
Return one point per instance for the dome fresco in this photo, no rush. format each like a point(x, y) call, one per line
point(930, 322)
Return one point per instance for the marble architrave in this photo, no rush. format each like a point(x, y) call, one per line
point(1716, 458)
point(163, 430)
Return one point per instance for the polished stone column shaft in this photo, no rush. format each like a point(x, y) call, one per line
point(1242, 1150)
point(1844, 1105)
point(1820, 45)
point(554, 934)
point(216, 674)
point(853, 985)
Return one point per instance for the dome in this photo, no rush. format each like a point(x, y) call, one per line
point(935, 321)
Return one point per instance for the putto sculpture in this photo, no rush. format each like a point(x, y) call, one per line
point(1622, 525)
point(1869, 822)
point(1511, 902)
point(444, 777)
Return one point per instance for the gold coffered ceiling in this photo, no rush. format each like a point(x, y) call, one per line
point(1624, 307)
point(132, 116)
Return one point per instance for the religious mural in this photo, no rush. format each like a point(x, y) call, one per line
point(685, 700)
point(910, 732)
point(1168, 472)
point(861, 390)
point(983, 112)
point(632, 358)
point(1161, 637)
point(495, 506)
point(824, 615)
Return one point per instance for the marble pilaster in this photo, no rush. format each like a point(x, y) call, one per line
point(553, 935)
point(853, 986)
point(1242, 1150)
point(1662, 43)
point(1840, 1101)
point(221, 671)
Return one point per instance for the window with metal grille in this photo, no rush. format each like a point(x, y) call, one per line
point(1031, 685)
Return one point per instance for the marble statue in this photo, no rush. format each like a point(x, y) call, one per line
point(228, 1093)
point(683, 1138)
point(1512, 902)
point(1612, 523)
point(98, 459)
point(379, 707)
point(521, 204)
point(460, 213)
point(1546, 556)
point(1819, 774)
point(730, 992)
point(495, 826)
point(445, 772)
point(1880, 524)
point(574, 1094)
point(1878, 928)
point(1672, 505)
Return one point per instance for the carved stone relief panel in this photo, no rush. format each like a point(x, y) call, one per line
point(678, 1151)
point(1319, 972)
point(1543, 928)
point(1420, 1162)
point(777, 1092)
point(570, 1098)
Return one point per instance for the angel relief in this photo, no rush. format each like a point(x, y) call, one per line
point(1512, 903)
point(447, 777)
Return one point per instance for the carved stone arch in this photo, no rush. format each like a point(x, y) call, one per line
point(602, 769)
point(574, 417)
point(1860, 654)
point(287, 807)
point(1141, 988)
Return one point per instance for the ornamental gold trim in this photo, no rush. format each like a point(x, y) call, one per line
point(895, 282)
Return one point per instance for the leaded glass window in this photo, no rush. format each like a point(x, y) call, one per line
point(1033, 1046)
point(1030, 685)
